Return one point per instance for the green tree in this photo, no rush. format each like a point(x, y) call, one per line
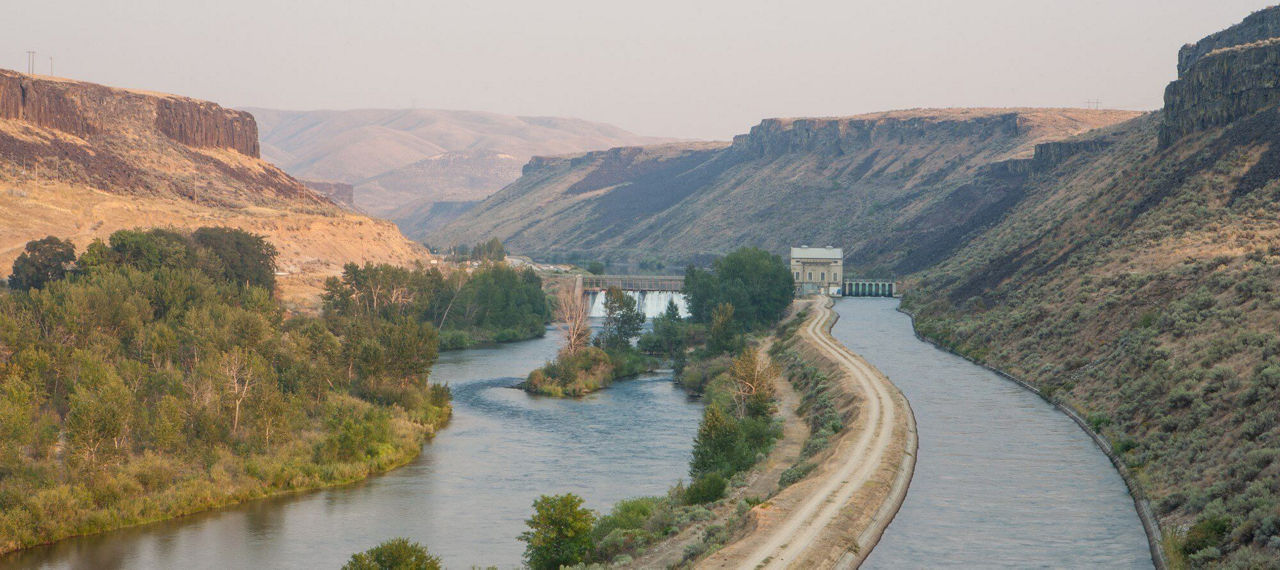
point(724, 335)
point(622, 320)
point(668, 338)
point(595, 268)
point(715, 446)
point(394, 554)
point(559, 532)
point(243, 258)
point(757, 283)
point(42, 261)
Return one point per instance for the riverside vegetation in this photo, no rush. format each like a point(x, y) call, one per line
point(715, 360)
point(154, 376)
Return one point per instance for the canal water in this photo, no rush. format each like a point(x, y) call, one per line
point(466, 497)
point(1002, 480)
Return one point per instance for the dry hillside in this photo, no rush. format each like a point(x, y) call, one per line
point(870, 183)
point(402, 161)
point(80, 160)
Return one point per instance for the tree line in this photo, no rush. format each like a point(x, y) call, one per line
point(154, 375)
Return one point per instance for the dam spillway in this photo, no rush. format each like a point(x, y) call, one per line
point(651, 303)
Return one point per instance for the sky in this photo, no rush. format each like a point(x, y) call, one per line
point(688, 68)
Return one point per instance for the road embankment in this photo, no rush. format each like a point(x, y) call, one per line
point(835, 515)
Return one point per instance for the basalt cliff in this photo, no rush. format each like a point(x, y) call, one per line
point(80, 160)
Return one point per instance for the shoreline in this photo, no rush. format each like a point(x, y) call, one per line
point(1150, 526)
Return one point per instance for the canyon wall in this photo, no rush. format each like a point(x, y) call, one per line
point(1260, 25)
point(86, 109)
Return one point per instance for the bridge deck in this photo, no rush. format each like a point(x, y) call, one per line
point(633, 282)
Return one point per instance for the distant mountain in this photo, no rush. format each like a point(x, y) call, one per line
point(898, 190)
point(80, 160)
point(415, 157)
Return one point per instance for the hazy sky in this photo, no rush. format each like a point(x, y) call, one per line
point(686, 68)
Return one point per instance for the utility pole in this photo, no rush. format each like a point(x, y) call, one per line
point(31, 62)
point(50, 66)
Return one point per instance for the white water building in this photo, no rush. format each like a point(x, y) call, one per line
point(817, 269)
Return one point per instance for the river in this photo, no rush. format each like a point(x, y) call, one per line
point(1002, 480)
point(466, 496)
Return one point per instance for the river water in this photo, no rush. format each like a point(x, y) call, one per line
point(1002, 480)
point(466, 496)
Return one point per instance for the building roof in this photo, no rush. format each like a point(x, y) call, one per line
point(817, 253)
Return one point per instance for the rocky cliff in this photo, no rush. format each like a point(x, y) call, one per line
point(85, 109)
point(1224, 77)
point(1260, 25)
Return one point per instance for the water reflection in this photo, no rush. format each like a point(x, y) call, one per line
point(466, 496)
point(1002, 479)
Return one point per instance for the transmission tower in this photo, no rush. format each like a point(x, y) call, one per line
point(31, 62)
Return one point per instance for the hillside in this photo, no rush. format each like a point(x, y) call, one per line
point(403, 161)
point(898, 190)
point(1136, 281)
point(80, 161)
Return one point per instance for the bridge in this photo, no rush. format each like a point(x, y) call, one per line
point(870, 288)
point(595, 283)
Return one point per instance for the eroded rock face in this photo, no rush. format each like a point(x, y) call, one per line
point(341, 193)
point(1224, 77)
point(1261, 25)
point(86, 109)
point(774, 137)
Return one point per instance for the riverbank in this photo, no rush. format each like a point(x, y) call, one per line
point(1151, 527)
point(102, 505)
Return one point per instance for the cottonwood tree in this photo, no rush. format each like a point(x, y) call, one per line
point(237, 369)
point(622, 320)
point(43, 261)
point(753, 388)
point(571, 311)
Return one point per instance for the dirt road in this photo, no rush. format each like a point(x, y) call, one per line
point(835, 517)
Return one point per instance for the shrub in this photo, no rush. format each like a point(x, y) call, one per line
point(705, 489)
point(394, 554)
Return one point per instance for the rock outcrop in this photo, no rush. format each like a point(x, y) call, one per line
point(1260, 25)
point(341, 193)
point(1223, 86)
point(85, 109)
point(1224, 77)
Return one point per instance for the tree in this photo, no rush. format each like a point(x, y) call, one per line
point(724, 333)
point(753, 388)
point(595, 268)
point(559, 532)
point(622, 321)
point(668, 338)
point(244, 258)
point(394, 554)
point(757, 283)
point(716, 443)
point(43, 261)
point(491, 250)
point(571, 311)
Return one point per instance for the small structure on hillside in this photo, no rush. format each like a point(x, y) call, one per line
point(817, 269)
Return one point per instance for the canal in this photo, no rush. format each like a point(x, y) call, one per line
point(1002, 480)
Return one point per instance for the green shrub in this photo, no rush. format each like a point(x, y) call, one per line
point(705, 489)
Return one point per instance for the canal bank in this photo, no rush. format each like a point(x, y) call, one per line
point(1150, 525)
point(1002, 478)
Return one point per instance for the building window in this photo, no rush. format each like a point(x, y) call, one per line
point(797, 276)
point(811, 276)
point(823, 277)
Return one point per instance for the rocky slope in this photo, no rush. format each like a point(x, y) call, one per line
point(898, 190)
point(80, 160)
point(402, 161)
point(1136, 282)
